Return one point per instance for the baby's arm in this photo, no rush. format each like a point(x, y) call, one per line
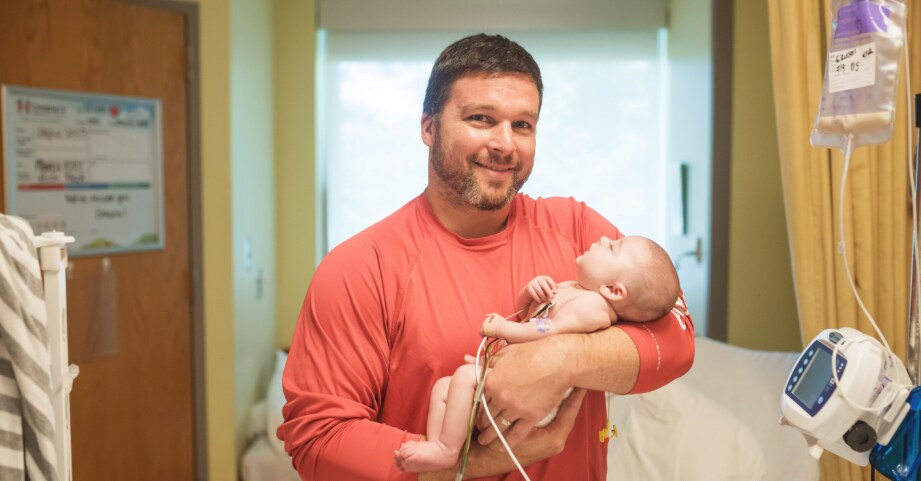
point(584, 314)
point(541, 289)
point(497, 326)
point(587, 312)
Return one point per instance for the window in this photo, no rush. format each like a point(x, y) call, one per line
point(600, 134)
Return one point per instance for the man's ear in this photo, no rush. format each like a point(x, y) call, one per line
point(614, 292)
point(428, 129)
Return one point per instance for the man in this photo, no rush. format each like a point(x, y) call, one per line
point(396, 307)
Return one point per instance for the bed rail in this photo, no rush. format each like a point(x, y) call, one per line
point(52, 248)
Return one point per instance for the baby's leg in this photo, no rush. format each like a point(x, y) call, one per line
point(437, 407)
point(445, 441)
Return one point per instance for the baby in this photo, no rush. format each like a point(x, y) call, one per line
point(629, 279)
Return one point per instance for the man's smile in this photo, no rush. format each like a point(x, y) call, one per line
point(494, 167)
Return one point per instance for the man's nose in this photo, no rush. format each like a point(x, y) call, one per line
point(502, 141)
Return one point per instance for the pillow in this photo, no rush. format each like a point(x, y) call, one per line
point(676, 433)
point(749, 383)
point(274, 401)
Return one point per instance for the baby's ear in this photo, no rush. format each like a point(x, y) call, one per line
point(614, 292)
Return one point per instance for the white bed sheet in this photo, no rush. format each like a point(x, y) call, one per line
point(741, 387)
point(262, 463)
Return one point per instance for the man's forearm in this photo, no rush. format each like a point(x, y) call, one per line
point(605, 360)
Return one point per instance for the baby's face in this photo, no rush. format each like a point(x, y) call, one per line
point(607, 261)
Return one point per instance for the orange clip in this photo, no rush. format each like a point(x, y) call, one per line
point(607, 432)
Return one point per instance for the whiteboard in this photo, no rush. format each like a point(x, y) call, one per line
point(86, 164)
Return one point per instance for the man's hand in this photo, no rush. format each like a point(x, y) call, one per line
point(541, 444)
point(525, 383)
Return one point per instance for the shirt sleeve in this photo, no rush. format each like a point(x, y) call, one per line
point(335, 376)
point(666, 345)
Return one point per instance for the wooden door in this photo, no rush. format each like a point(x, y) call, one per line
point(132, 404)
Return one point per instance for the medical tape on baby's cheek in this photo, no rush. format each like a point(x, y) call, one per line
point(542, 324)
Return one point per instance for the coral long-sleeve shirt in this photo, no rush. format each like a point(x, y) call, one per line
point(396, 307)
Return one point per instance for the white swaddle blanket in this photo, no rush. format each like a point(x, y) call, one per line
point(26, 411)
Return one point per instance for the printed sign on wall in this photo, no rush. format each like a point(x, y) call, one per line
point(85, 164)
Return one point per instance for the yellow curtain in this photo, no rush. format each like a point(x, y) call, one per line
point(877, 207)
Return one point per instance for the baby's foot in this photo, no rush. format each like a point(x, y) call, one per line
point(415, 457)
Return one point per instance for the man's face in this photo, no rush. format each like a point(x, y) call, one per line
point(481, 146)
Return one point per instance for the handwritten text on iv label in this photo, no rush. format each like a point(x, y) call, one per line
point(852, 68)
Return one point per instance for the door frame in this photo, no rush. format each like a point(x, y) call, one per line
point(717, 303)
point(196, 252)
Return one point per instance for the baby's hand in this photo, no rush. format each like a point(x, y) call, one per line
point(541, 289)
point(488, 328)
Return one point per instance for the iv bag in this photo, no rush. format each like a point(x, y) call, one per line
point(861, 73)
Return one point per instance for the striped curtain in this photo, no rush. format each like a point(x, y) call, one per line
point(26, 413)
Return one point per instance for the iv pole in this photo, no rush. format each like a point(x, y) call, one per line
point(914, 306)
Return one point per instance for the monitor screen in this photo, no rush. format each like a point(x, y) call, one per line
point(814, 378)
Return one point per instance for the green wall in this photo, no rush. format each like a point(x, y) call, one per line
point(295, 181)
point(761, 304)
point(214, 50)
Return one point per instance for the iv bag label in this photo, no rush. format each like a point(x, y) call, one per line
point(852, 68)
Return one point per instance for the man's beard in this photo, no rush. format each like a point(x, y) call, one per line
point(464, 182)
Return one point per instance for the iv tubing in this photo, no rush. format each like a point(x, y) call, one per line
point(916, 248)
point(848, 150)
point(912, 173)
point(489, 416)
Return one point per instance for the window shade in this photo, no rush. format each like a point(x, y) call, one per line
point(480, 15)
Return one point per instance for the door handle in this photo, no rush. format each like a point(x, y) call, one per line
point(697, 253)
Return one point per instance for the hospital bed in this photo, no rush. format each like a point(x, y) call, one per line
point(718, 422)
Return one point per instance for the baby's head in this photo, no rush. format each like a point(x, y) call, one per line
point(633, 273)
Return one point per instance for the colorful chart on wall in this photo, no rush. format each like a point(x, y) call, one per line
point(85, 164)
